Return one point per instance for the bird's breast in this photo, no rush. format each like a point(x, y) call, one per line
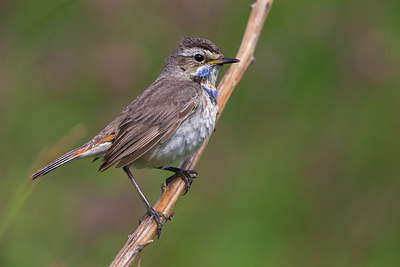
point(186, 140)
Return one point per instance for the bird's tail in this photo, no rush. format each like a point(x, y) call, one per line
point(70, 156)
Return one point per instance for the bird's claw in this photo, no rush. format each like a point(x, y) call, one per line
point(156, 215)
point(186, 175)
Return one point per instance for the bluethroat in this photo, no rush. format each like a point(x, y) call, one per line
point(166, 123)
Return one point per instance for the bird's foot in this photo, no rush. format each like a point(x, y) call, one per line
point(157, 216)
point(186, 175)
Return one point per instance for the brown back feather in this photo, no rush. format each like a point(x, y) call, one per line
point(150, 119)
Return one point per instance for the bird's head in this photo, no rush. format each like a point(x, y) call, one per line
point(199, 59)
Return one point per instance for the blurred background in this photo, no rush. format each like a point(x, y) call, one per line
point(303, 169)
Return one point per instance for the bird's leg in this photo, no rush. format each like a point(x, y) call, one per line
point(150, 211)
point(186, 175)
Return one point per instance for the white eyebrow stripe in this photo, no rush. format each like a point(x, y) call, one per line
point(191, 52)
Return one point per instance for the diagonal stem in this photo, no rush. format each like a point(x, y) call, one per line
point(171, 193)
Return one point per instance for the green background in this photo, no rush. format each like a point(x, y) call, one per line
point(303, 169)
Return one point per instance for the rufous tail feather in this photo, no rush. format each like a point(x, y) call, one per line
point(70, 156)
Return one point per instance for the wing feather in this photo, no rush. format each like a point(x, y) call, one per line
point(150, 119)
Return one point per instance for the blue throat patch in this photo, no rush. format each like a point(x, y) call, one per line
point(205, 72)
point(213, 94)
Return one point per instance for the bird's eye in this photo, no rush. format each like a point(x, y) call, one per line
point(198, 57)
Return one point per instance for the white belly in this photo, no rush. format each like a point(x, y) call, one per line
point(186, 140)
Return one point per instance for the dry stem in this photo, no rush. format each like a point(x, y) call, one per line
point(143, 235)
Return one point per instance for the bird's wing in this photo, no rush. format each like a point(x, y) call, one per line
point(150, 119)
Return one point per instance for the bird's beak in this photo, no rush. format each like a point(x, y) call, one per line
point(224, 60)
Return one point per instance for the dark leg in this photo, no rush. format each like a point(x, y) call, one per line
point(186, 175)
point(150, 211)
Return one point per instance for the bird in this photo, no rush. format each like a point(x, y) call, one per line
point(167, 123)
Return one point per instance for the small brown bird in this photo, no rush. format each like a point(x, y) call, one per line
point(165, 124)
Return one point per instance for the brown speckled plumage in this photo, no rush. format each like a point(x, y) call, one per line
point(166, 123)
point(155, 115)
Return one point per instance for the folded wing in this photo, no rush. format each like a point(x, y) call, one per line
point(151, 118)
